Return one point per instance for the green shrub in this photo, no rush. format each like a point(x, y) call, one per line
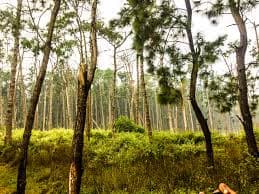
point(124, 124)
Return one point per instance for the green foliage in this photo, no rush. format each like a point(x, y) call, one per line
point(124, 124)
point(128, 163)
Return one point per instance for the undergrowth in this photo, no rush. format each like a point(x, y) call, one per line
point(128, 163)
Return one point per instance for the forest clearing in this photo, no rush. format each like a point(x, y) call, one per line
point(129, 96)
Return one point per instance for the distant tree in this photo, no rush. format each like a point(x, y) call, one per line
point(136, 14)
point(116, 40)
point(15, 59)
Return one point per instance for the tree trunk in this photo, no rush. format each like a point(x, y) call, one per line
point(101, 92)
point(242, 81)
point(84, 85)
point(21, 178)
point(69, 115)
point(170, 118)
point(183, 107)
point(64, 111)
point(191, 118)
point(113, 100)
point(194, 75)
point(137, 93)
point(10, 103)
point(44, 110)
point(76, 167)
point(144, 93)
point(256, 36)
point(89, 115)
point(210, 112)
point(23, 95)
point(50, 122)
point(176, 117)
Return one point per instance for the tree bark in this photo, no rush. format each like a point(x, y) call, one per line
point(113, 100)
point(50, 117)
point(89, 115)
point(137, 93)
point(21, 178)
point(44, 109)
point(191, 118)
point(86, 76)
point(242, 80)
point(209, 111)
point(10, 103)
point(176, 117)
point(256, 36)
point(194, 75)
point(183, 107)
point(170, 118)
point(144, 93)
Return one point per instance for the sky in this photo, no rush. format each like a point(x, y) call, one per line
point(108, 9)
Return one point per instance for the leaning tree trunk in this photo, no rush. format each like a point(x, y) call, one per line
point(21, 179)
point(10, 103)
point(242, 81)
point(195, 56)
point(85, 80)
point(144, 93)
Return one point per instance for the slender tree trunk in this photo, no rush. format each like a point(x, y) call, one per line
point(36, 118)
point(183, 108)
point(21, 178)
point(137, 93)
point(242, 80)
point(23, 94)
point(170, 118)
point(194, 75)
point(68, 105)
point(157, 115)
point(84, 85)
point(256, 36)
point(114, 85)
point(191, 118)
point(50, 117)
point(64, 111)
point(144, 93)
point(10, 103)
point(101, 92)
point(89, 115)
point(44, 110)
point(176, 117)
point(210, 112)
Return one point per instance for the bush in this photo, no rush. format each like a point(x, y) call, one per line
point(124, 124)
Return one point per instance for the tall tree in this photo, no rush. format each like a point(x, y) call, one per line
point(237, 9)
point(137, 13)
point(85, 79)
point(10, 105)
point(247, 121)
point(21, 178)
point(195, 62)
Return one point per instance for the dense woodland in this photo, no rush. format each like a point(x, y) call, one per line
point(146, 76)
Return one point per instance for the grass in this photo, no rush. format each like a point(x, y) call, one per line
point(127, 163)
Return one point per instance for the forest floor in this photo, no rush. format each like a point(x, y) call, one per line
point(127, 163)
